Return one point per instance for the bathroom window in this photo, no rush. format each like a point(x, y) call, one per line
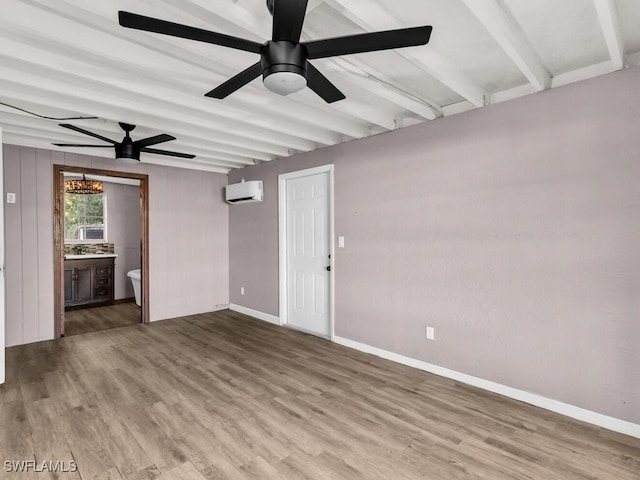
point(84, 218)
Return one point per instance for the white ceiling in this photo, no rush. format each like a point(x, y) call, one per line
point(71, 58)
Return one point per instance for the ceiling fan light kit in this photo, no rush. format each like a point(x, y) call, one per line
point(127, 154)
point(284, 67)
point(285, 83)
point(284, 60)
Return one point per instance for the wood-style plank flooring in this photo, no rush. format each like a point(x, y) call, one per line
point(101, 318)
point(223, 396)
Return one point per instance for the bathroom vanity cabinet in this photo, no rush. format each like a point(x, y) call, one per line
point(88, 280)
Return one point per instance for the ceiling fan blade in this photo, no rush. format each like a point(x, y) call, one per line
point(146, 142)
point(87, 132)
point(239, 81)
point(320, 84)
point(369, 42)
point(148, 24)
point(288, 17)
point(77, 145)
point(165, 152)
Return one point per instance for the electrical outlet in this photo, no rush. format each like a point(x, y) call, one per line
point(241, 290)
point(430, 333)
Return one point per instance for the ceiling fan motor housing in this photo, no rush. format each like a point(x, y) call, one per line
point(283, 56)
point(127, 150)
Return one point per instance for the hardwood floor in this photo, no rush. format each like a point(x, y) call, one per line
point(101, 318)
point(223, 396)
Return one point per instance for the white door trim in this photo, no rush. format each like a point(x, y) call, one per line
point(2, 269)
point(282, 239)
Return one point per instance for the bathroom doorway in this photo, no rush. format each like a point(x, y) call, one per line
point(89, 280)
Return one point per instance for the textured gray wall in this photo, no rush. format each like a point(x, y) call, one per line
point(514, 230)
point(188, 240)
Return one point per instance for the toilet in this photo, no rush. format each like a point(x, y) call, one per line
point(135, 277)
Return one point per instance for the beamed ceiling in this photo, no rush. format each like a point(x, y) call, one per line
point(71, 58)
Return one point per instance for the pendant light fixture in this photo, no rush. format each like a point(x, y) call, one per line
point(84, 186)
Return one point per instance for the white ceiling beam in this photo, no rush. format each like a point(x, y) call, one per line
point(583, 73)
point(107, 93)
point(227, 11)
point(17, 92)
point(179, 163)
point(313, 4)
point(67, 136)
point(507, 33)
point(608, 16)
point(127, 60)
point(375, 115)
point(374, 81)
point(560, 80)
point(247, 24)
point(371, 16)
point(208, 158)
point(292, 110)
point(119, 85)
point(379, 83)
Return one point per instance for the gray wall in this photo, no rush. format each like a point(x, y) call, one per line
point(188, 240)
point(123, 230)
point(514, 230)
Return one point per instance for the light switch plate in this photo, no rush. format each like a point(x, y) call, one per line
point(11, 198)
point(340, 242)
point(430, 333)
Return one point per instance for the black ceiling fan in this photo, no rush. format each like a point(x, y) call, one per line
point(284, 60)
point(127, 149)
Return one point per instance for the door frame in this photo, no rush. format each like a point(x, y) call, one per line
point(2, 270)
point(282, 240)
point(58, 236)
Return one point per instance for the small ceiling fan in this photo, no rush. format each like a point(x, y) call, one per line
point(127, 150)
point(284, 60)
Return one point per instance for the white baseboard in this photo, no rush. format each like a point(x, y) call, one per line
point(255, 313)
point(578, 413)
point(598, 419)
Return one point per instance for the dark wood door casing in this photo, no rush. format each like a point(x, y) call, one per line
point(58, 237)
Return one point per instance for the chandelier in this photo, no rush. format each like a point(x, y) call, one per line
point(84, 186)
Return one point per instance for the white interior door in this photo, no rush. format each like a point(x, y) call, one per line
point(1, 264)
point(308, 252)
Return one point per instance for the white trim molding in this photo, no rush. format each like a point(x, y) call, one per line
point(610, 22)
point(505, 31)
point(2, 270)
point(255, 313)
point(598, 419)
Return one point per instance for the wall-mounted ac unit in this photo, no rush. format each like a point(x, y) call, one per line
point(244, 192)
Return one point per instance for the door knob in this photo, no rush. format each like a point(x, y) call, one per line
point(328, 268)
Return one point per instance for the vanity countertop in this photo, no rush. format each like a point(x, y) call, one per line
point(89, 255)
